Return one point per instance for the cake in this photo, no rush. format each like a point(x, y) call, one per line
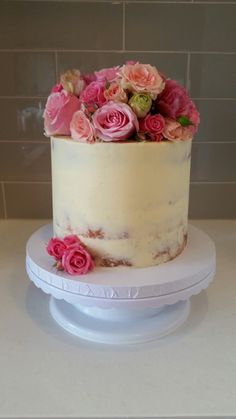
point(120, 151)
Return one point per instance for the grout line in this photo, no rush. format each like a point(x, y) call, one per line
point(180, 2)
point(56, 66)
point(213, 2)
point(25, 182)
point(45, 97)
point(23, 141)
point(160, 1)
point(180, 52)
point(156, 1)
point(213, 98)
point(123, 27)
point(4, 201)
point(32, 182)
point(23, 97)
point(212, 183)
point(47, 141)
point(188, 72)
point(213, 142)
point(119, 51)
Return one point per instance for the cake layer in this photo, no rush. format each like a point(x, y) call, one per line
point(127, 202)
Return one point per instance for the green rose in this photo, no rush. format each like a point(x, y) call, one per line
point(141, 104)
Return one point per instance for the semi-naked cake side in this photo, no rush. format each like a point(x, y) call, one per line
point(128, 203)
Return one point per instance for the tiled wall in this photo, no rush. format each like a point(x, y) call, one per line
point(192, 41)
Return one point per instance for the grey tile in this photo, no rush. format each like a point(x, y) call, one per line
point(194, 27)
point(213, 75)
point(28, 200)
point(174, 65)
point(212, 200)
point(217, 120)
point(1, 203)
point(21, 119)
point(24, 162)
point(87, 62)
point(214, 162)
point(72, 25)
point(26, 73)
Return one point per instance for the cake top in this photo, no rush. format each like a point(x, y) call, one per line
point(132, 102)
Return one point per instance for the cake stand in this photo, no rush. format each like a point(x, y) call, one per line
point(123, 305)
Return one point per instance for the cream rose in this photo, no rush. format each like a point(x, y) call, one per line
point(72, 82)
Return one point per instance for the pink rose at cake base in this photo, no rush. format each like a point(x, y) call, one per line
point(120, 146)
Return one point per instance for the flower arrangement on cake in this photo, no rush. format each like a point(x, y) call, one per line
point(133, 102)
point(130, 103)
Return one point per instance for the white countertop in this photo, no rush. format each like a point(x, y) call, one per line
point(47, 373)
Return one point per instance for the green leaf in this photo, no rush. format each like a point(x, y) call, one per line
point(184, 121)
point(140, 136)
point(136, 137)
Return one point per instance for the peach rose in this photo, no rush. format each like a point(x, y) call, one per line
point(142, 78)
point(81, 128)
point(58, 113)
point(194, 117)
point(174, 131)
point(116, 93)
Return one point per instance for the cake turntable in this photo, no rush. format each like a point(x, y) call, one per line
point(123, 305)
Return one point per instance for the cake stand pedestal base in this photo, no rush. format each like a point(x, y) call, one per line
point(119, 326)
point(123, 305)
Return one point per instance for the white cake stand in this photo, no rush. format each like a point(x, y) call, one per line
point(123, 305)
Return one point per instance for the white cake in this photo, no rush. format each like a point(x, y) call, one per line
point(127, 202)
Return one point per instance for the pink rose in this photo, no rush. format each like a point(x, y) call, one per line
point(115, 121)
point(57, 88)
point(77, 261)
point(142, 78)
point(93, 94)
point(81, 128)
point(88, 78)
point(130, 62)
point(58, 113)
point(174, 100)
point(72, 82)
point(153, 125)
point(71, 239)
point(116, 93)
point(56, 248)
point(173, 131)
point(107, 74)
